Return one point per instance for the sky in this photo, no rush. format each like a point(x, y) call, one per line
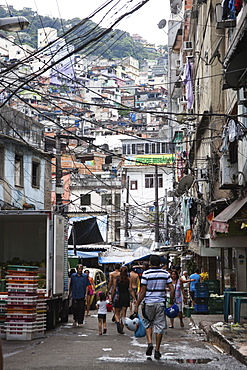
point(144, 22)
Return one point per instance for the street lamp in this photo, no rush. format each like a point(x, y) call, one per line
point(13, 24)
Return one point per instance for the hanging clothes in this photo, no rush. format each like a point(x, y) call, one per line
point(187, 80)
point(238, 6)
point(185, 209)
point(226, 10)
point(233, 151)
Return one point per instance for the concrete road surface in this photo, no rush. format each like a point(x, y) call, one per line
point(70, 348)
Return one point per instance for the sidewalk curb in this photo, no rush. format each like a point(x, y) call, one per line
point(214, 336)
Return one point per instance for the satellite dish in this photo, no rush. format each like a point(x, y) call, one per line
point(178, 193)
point(216, 51)
point(185, 183)
point(162, 24)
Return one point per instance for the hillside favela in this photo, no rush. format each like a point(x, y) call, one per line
point(123, 194)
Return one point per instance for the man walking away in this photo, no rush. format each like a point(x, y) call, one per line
point(79, 283)
point(112, 277)
point(134, 285)
point(194, 278)
point(153, 290)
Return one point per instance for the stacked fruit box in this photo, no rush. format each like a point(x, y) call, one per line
point(3, 311)
point(41, 313)
point(22, 283)
point(201, 298)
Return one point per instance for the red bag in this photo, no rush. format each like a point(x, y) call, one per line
point(109, 307)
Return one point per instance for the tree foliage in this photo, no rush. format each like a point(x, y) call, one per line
point(116, 44)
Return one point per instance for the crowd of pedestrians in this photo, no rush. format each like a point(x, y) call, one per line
point(149, 285)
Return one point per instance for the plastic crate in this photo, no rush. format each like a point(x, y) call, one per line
point(216, 303)
point(203, 308)
point(201, 300)
point(201, 286)
point(21, 273)
point(212, 311)
point(2, 285)
point(201, 293)
point(213, 286)
point(20, 335)
point(22, 268)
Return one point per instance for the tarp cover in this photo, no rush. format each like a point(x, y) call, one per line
point(85, 232)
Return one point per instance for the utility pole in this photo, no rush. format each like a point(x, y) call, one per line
point(165, 215)
point(59, 187)
point(156, 206)
point(126, 210)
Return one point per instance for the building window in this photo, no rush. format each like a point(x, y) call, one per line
point(35, 174)
point(133, 185)
point(133, 149)
point(158, 148)
point(146, 148)
point(1, 163)
point(153, 148)
point(117, 230)
point(85, 199)
point(140, 149)
point(128, 148)
point(106, 200)
point(150, 181)
point(164, 148)
point(19, 179)
point(124, 149)
point(117, 202)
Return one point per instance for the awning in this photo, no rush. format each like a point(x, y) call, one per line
point(82, 254)
point(220, 222)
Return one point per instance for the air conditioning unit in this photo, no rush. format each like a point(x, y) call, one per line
point(228, 173)
point(188, 45)
point(242, 96)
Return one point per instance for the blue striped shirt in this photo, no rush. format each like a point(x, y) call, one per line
point(155, 280)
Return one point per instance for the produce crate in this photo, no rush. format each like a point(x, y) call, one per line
point(20, 335)
point(201, 286)
point(213, 286)
point(201, 293)
point(2, 285)
point(201, 308)
point(201, 300)
point(216, 304)
point(22, 268)
point(22, 273)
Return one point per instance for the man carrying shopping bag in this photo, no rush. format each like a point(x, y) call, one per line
point(153, 291)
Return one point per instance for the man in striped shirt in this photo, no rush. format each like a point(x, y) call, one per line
point(153, 291)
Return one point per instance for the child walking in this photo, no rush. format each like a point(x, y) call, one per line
point(102, 311)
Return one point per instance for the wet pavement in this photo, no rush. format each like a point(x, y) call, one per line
point(72, 348)
point(232, 338)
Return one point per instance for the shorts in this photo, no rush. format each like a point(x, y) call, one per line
point(179, 306)
point(102, 316)
point(154, 317)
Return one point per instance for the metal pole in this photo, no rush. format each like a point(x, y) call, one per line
point(59, 188)
point(156, 205)
point(126, 233)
